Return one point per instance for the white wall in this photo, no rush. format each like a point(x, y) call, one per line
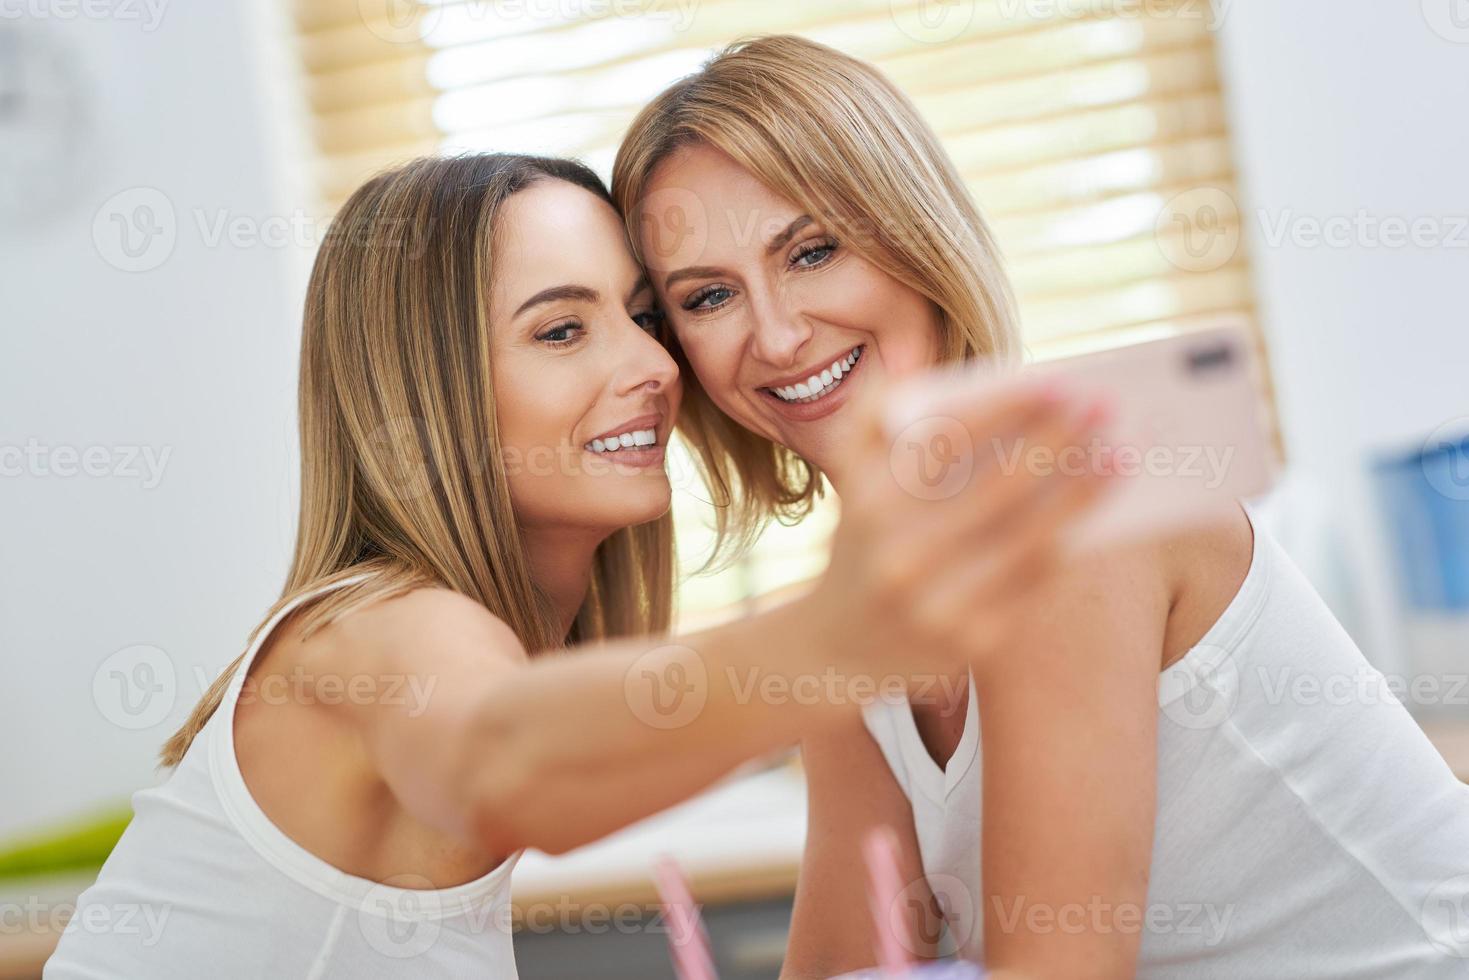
point(1341, 107)
point(195, 357)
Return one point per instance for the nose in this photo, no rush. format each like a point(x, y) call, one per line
point(648, 366)
point(778, 332)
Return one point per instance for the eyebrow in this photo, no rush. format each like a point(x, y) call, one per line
point(554, 294)
point(582, 294)
point(786, 234)
point(709, 272)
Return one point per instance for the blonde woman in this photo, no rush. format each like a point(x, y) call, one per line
point(484, 408)
point(1151, 803)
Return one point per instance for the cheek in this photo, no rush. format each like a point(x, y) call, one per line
point(902, 320)
point(534, 432)
point(714, 356)
point(910, 342)
point(513, 410)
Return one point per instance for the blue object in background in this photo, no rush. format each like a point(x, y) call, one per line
point(1425, 496)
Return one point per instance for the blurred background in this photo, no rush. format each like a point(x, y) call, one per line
point(168, 167)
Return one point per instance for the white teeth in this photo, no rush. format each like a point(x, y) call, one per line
point(820, 385)
point(626, 440)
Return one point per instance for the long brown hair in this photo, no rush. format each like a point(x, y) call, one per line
point(832, 134)
point(401, 476)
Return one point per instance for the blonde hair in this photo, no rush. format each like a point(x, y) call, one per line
point(830, 133)
point(401, 474)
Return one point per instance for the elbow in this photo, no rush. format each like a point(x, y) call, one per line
point(506, 819)
point(494, 780)
point(497, 809)
point(511, 798)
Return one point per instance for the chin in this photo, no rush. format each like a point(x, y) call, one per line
point(628, 506)
point(822, 442)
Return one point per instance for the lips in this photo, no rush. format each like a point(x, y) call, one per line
point(634, 434)
point(828, 397)
point(819, 384)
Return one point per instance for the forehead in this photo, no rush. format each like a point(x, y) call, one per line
point(552, 233)
point(701, 207)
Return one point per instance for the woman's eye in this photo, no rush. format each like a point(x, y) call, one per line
point(813, 254)
point(649, 321)
point(562, 333)
point(708, 298)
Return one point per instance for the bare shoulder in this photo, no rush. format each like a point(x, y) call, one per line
point(1114, 584)
point(420, 627)
point(1222, 548)
point(1206, 567)
point(1102, 615)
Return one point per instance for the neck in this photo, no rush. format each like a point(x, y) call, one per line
point(834, 476)
point(561, 567)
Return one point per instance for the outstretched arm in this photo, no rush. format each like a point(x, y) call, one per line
point(557, 750)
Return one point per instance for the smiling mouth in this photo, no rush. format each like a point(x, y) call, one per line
point(818, 386)
point(631, 439)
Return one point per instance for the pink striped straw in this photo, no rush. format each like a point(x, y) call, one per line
point(884, 886)
point(688, 941)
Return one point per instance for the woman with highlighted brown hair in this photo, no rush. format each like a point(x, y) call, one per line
point(465, 660)
point(1150, 804)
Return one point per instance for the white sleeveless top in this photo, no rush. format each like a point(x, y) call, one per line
point(211, 887)
point(1306, 828)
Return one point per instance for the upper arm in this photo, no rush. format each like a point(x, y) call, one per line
point(414, 672)
point(850, 790)
point(1069, 723)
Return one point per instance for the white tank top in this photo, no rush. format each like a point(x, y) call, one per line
point(1306, 828)
point(207, 885)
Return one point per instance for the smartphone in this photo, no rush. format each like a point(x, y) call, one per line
point(1189, 436)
